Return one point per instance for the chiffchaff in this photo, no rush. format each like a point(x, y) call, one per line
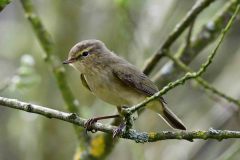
point(115, 80)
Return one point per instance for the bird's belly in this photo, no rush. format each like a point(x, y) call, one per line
point(119, 96)
point(115, 93)
point(112, 97)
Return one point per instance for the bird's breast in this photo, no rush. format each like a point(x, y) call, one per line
point(107, 87)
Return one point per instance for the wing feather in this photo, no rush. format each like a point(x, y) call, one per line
point(84, 82)
point(134, 78)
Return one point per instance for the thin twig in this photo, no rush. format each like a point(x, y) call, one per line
point(199, 6)
point(188, 75)
point(189, 36)
point(204, 83)
point(208, 33)
point(139, 137)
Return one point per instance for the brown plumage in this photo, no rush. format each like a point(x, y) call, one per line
point(115, 80)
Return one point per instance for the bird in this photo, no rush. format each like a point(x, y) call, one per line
point(116, 81)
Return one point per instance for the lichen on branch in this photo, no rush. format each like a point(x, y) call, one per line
point(139, 137)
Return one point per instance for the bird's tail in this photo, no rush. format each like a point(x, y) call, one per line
point(168, 116)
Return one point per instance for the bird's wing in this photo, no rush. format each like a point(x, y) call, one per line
point(134, 78)
point(84, 82)
point(141, 83)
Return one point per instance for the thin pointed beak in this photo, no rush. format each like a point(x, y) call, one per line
point(68, 61)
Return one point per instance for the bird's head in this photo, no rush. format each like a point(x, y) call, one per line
point(86, 54)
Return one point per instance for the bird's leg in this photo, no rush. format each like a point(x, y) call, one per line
point(129, 118)
point(126, 123)
point(118, 131)
point(124, 126)
point(88, 124)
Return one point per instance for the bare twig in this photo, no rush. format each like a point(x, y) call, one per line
point(189, 36)
point(199, 6)
point(139, 137)
point(188, 75)
point(203, 38)
point(204, 83)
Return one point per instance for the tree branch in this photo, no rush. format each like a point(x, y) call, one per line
point(188, 75)
point(65, 83)
point(199, 6)
point(139, 137)
point(55, 64)
point(206, 36)
point(204, 83)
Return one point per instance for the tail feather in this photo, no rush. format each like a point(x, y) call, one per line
point(167, 115)
point(172, 119)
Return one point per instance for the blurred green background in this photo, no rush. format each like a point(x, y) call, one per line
point(133, 30)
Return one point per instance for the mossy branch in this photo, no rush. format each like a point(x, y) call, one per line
point(139, 137)
point(188, 75)
point(199, 6)
point(55, 64)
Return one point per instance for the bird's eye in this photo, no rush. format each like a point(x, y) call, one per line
point(85, 53)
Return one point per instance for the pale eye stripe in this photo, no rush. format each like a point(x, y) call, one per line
point(86, 49)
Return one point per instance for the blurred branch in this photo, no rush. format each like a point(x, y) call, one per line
point(206, 36)
point(47, 44)
point(4, 85)
point(3, 4)
point(139, 137)
point(204, 83)
point(55, 64)
point(186, 52)
point(188, 75)
point(226, 113)
point(230, 152)
point(189, 36)
point(199, 6)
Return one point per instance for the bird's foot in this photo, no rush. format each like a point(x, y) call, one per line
point(119, 131)
point(88, 125)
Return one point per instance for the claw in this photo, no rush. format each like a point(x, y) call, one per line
point(119, 131)
point(89, 123)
